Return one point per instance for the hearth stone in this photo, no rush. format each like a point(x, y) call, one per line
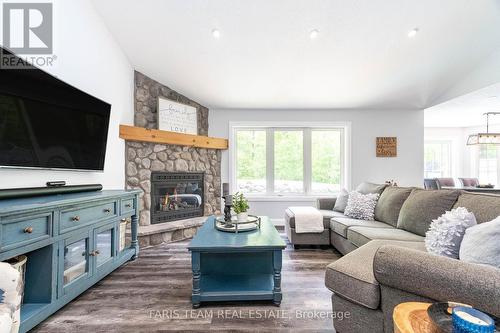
point(139, 177)
point(169, 232)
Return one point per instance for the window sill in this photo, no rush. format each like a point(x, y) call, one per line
point(288, 198)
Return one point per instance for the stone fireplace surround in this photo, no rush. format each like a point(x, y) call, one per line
point(144, 157)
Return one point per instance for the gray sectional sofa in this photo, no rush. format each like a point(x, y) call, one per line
point(385, 262)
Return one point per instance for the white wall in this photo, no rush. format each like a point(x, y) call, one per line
point(366, 125)
point(88, 58)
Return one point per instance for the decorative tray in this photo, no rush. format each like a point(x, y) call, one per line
point(252, 223)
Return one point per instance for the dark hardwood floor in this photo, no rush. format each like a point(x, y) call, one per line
point(152, 294)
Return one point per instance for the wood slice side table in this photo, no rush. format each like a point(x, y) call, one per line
point(412, 317)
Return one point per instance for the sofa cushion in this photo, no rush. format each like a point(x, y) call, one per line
point(389, 204)
point(423, 206)
point(485, 207)
point(327, 215)
point(339, 225)
point(352, 278)
point(359, 236)
point(366, 188)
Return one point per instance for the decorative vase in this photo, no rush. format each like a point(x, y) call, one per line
point(242, 217)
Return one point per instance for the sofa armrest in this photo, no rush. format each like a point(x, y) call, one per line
point(439, 278)
point(325, 203)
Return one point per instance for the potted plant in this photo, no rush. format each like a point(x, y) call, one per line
point(240, 207)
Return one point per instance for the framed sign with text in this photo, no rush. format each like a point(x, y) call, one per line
point(177, 117)
point(387, 146)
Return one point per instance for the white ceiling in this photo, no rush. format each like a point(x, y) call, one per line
point(264, 57)
point(466, 110)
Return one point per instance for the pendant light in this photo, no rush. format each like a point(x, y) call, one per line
point(485, 138)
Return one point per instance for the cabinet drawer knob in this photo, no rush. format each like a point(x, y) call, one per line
point(128, 205)
point(107, 210)
point(76, 218)
point(28, 230)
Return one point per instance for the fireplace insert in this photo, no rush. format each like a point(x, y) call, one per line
point(176, 196)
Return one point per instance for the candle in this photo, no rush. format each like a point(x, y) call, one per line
point(469, 320)
point(225, 189)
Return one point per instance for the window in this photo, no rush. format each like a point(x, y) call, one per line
point(251, 154)
point(289, 161)
point(437, 159)
point(326, 161)
point(488, 164)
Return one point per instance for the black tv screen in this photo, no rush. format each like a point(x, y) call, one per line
point(46, 123)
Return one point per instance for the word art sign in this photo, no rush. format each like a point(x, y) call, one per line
point(387, 146)
point(177, 117)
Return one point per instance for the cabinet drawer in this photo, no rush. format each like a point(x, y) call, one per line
point(127, 206)
point(17, 232)
point(76, 218)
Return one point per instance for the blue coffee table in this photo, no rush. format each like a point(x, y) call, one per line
point(236, 266)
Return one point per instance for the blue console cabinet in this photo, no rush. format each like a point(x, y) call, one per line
point(71, 240)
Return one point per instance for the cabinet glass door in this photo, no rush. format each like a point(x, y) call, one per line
point(104, 245)
point(76, 262)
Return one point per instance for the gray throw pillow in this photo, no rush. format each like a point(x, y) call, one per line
point(447, 231)
point(341, 202)
point(361, 206)
point(423, 206)
point(366, 188)
point(481, 244)
point(389, 204)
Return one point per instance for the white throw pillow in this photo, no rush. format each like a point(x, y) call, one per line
point(481, 244)
point(447, 231)
point(361, 206)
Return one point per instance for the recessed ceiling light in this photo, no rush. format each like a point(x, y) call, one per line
point(413, 32)
point(314, 34)
point(216, 33)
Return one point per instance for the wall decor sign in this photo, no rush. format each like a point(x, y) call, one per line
point(387, 146)
point(177, 117)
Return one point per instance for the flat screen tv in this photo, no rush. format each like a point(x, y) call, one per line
point(46, 123)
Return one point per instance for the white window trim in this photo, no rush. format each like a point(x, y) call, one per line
point(450, 153)
point(345, 157)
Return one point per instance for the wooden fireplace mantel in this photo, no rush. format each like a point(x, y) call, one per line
point(133, 133)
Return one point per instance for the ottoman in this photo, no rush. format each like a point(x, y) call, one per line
point(308, 238)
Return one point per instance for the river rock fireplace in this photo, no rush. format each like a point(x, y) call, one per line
point(176, 196)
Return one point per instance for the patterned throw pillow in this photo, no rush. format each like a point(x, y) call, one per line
point(361, 206)
point(447, 231)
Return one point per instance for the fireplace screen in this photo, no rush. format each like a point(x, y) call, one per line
point(176, 196)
